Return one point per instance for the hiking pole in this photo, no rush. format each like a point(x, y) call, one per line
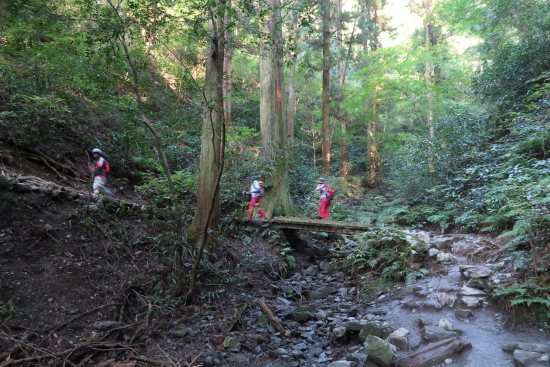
point(90, 184)
point(243, 203)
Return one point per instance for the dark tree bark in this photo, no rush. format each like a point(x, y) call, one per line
point(272, 122)
point(325, 127)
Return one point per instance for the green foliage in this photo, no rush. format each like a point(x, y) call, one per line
point(375, 286)
point(415, 274)
point(156, 188)
point(536, 291)
point(380, 250)
point(8, 311)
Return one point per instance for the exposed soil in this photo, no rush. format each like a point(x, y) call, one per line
point(93, 289)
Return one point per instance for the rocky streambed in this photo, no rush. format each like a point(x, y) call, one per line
point(445, 319)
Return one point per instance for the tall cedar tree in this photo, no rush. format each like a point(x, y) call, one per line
point(272, 122)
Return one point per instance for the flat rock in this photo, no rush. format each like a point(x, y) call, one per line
point(304, 313)
point(524, 358)
point(446, 299)
point(472, 301)
point(178, 333)
point(327, 267)
point(469, 291)
point(232, 343)
point(463, 315)
point(529, 347)
point(433, 304)
point(446, 258)
point(322, 293)
point(475, 271)
point(436, 333)
point(463, 248)
point(441, 243)
point(311, 271)
point(355, 326)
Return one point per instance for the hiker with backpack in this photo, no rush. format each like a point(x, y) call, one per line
point(256, 193)
point(325, 194)
point(99, 168)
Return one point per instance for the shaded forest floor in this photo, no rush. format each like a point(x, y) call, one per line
point(81, 287)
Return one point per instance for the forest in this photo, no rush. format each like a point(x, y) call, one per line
point(429, 118)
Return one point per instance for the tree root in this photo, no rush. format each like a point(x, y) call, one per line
point(41, 159)
point(53, 162)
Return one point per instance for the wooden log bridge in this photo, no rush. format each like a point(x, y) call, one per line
point(320, 225)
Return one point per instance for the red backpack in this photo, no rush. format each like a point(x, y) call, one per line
point(329, 192)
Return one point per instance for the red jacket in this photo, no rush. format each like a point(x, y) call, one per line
point(100, 167)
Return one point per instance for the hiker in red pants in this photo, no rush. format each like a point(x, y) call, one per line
point(99, 167)
point(324, 204)
point(256, 193)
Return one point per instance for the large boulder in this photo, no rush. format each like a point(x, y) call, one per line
point(374, 328)
point(380, 351)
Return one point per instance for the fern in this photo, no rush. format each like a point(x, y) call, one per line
point(530, 301)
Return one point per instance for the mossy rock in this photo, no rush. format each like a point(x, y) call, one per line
point(380, 351)
point(304, 313)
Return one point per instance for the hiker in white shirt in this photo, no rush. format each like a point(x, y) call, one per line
point(324, 204)
point(256, 193)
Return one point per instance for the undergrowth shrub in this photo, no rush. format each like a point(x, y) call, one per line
point(384, 252)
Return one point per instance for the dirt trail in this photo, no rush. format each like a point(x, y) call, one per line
point(480, 324)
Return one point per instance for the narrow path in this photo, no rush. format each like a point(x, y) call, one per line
point(480, 321)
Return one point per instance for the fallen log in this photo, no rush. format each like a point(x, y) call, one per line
point(433, 353)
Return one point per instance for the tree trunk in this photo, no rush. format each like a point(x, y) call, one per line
point(211, 153)
point(369, 31)
point(429, 79)
point(291, 110)
point(342, 66)
point(272, 123)
point(228, 74)
point(325, 127)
